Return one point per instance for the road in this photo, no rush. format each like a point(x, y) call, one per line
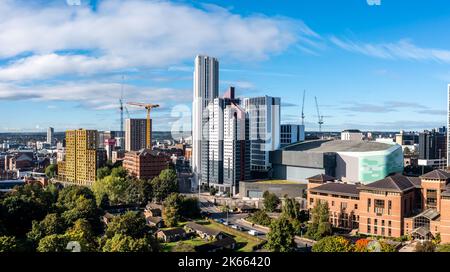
point(207, 206)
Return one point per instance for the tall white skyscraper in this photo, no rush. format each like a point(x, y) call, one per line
point(50, 135)
point(135, 134)
point(264, 115)
point(206, 88)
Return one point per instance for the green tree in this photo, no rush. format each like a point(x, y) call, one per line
point(8, 244)
point(134, 193)
point(189, 207)
point(84, 209)
point(148, 190)
point(114, 187)
point(131, 224)
point(387, 247)
point(82, 233)
point(426, 246)
point(291, 208)
point(270, 201)
point(124, 243)
point(212, 191)
point(164, 184)
point(333, 244)
point(19, 208)
point(260, 217)
point(319, 226)
point(103, 172)
point(171, 210)
point(281, 236)
point(53, 243)
point(69, 196)
point(119, 172)
point(51, 224)
point(51, 171)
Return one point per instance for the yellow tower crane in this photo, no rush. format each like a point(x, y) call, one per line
point(149, 108)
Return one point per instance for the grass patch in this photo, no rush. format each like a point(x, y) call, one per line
point(167, 247)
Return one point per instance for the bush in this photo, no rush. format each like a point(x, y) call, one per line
point(426, 246)
point(333, 244)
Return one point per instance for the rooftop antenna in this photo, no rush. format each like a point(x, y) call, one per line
point(303, 108)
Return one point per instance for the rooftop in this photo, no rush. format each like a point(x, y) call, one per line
point(201, 228)
point(337, 188)
point(437, 174)
point(321, 178)
point(276, 182)
point(174, 231)
point(397, 183)
point(218, 244)
point(338, 146)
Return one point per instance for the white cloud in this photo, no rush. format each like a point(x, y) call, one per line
point(133, 33)
point(403, 49)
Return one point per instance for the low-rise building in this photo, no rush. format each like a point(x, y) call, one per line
point(171, 235)
point(145, 163)
point(203, 231)
point(391, 207)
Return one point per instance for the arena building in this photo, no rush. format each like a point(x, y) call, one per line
point(350, 161)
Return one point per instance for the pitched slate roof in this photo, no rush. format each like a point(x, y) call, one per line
point(396, 183)
point(218, 244)
point(337, 188)
point(437, 174)
point(173, 232)
point(201, 228)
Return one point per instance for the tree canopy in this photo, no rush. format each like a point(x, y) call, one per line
point(270, 201)
point(281, 236)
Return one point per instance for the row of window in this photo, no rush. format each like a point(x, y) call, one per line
point(382, 233)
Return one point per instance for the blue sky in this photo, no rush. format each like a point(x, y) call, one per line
point(380, 67)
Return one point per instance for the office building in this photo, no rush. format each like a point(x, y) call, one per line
point(352, 135)
point(391, 207)
point(264, 120)
point(50, 136)
point(290, 134)
point(227, 144)
point(432, 149)
point(206, 89)
point(109, 145)
point(135, 134)
point(117, 155)
point(145, 164)
point(80, 165)
point(236, 150)
point(351, 161)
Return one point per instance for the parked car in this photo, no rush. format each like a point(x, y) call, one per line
point(226, 223)
point(254, 232)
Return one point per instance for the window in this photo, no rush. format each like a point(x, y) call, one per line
point(332, 203)
point(431, 198)
point(389, 224)
point(375, 230)
point(382, 222)
point(368, 205)
point(368, 221)
point(368, 229)
point(376, 222)
point(389, 207)
point(311, 201)
point(382, 231)
point(356, 206)
point(379, 206)
point(344, 205)
point(389, 233)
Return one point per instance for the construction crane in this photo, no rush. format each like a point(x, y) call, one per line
point(121, 106)
point(303, 108)
point(320, 122)
point(149, 108)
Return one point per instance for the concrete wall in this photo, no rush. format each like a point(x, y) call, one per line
point(293, 173)
point(292, 190)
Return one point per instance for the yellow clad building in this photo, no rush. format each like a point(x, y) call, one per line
point(80, 166)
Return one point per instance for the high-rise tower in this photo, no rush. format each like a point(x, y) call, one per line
point(206, 88)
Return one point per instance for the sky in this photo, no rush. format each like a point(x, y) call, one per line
point(380, 67)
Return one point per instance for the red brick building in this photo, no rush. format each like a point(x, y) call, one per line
point(392, 207)
point(145, 163)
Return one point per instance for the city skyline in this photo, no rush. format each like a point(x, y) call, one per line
point(387, 74)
